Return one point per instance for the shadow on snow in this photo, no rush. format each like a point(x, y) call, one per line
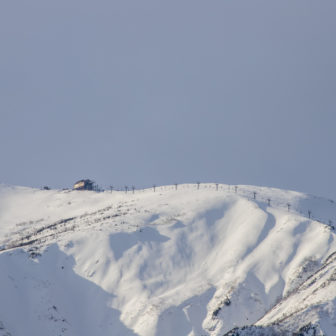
point(48, 298)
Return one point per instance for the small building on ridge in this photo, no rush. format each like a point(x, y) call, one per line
point(83, 185)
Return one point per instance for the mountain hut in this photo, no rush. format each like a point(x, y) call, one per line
point(83, 185)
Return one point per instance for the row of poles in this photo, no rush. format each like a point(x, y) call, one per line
point(216, 186)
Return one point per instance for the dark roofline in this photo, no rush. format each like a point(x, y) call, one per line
point(85, 181)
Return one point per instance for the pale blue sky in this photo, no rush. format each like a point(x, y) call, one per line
point(143, 92)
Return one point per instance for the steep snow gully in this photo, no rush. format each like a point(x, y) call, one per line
point(189, 260)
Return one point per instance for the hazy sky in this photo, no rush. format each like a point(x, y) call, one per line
point(136, 92)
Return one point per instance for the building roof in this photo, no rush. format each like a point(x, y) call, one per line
point(87, 181)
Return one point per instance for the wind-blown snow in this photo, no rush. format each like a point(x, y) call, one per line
point(169, 262)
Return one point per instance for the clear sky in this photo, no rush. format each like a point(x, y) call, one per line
point(132, 92)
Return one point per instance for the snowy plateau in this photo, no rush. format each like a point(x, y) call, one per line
point(186, 260)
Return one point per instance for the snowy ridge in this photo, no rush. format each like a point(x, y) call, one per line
point(166, 262)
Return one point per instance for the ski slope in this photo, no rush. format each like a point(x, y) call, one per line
point(166, 262)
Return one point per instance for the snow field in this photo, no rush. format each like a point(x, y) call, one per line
point(169, 262)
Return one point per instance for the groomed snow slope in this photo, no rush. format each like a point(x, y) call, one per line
point(170, 262)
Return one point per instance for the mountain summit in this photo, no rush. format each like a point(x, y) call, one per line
point(176, 260)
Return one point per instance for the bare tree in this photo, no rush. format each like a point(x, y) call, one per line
point(254, 194)
point(217, 186)
point(175, 186)
point(133, 188)
point(269, 201)
point(309, 214)
point(236, 188)
point(198, 185)
point(288, 206)
point(154, 186)
point(126, 189)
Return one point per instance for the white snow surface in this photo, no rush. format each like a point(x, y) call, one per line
point(166, 262)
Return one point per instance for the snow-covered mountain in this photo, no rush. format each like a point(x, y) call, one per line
point(212, 260)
